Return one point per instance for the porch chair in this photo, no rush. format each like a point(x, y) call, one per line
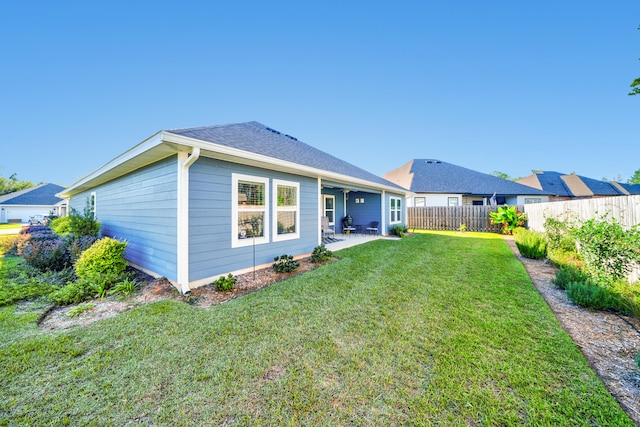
point(373, 227)
point(347, 228)
point(327, 229)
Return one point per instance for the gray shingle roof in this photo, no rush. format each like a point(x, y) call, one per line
point(435, 176)
point(43, 194)
point(257, 138)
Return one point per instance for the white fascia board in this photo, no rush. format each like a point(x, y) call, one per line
point(246, 157)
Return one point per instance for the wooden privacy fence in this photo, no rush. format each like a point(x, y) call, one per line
point(475, 218)
point(625, 209)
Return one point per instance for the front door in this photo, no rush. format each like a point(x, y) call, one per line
point(329, 208)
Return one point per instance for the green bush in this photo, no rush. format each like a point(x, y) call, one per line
point(560, 233)
point(61, 225)
point(508, 217)
point(609, 251)
point(321, 254)
point(84, 224)
point(224, 283)
point(568, 274)
point(588, 294)
point(285, 264)
point(73, 293)
point(103, 262)
point(76, 245)
point(531, 244)
point(398, 230)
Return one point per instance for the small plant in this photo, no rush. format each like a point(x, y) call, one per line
point(588, 294)
point(321, 254)
point(637, 359)
point(398, 230)
point(462, 228)
point(285, 264)
point(80, 308)
point(125, 288)
point(46, 252)
point(224, 283)
point(568, 274)
point(508, 217)
point(530, 243)
point(84, 224)
point(72, 293)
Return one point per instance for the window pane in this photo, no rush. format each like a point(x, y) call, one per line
point(330, 216)
point(250, 224)
point(250, 193)
point(420, 202)
point(286, 222)
point(287, 195)
point(328, 203)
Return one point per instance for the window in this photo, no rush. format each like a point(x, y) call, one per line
point(420, 202)
point(453, 201)
point(92, 204)
point(395, 210)
point(250, 210)
point(532, 200)
point(330, 208)
point(287, 210)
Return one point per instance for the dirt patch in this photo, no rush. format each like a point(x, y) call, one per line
point(160, 289)
point(608, 340)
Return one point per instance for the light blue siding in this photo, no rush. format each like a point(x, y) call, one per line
point(364, 213)
point(141, 208)
point(210, 236)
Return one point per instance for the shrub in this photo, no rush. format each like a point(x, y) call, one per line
point(285, 264)
point(609, 251)
point(103, 262)
point(321, 254)
point(76, 245)
point(560, 233)
point(398, 230)
point(84, 224)
point(568, 274)
point(61, 225)
point(8, 242)
point(46, 253)
point(72, 293)
point(224, 283)
point(531, 244)
point(508, 217)
point(588, 294)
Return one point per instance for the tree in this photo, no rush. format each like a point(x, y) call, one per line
point(635, 179)
point(11, 184)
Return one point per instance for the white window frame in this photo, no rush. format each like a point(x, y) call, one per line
point(93, 202)
point(289, 236)
point(531, 200)
point(453, 201)
point(395, 213)
point(235, 209)
point(324, 207)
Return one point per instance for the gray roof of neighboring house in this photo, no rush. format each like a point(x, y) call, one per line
point(40, 195)
point(435, 176)
point(571, 185)
point(257, 138)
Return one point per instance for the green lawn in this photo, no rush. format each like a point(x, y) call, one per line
point(17, 227)
point(431, 330)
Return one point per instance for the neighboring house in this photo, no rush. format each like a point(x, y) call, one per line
point(628, 189)
point(437, 183)
point(571, 186)
point(198, 203)
point(19, 206)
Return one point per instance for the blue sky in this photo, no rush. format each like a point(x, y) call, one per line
point(491, 86)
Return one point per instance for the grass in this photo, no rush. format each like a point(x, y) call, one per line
point(434, 329)
point(17, 227)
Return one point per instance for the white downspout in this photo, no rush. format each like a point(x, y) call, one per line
point(383, 210)
point(184, 163)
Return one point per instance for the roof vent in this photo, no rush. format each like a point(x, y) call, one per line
point(274, 131)
point(291, 137)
